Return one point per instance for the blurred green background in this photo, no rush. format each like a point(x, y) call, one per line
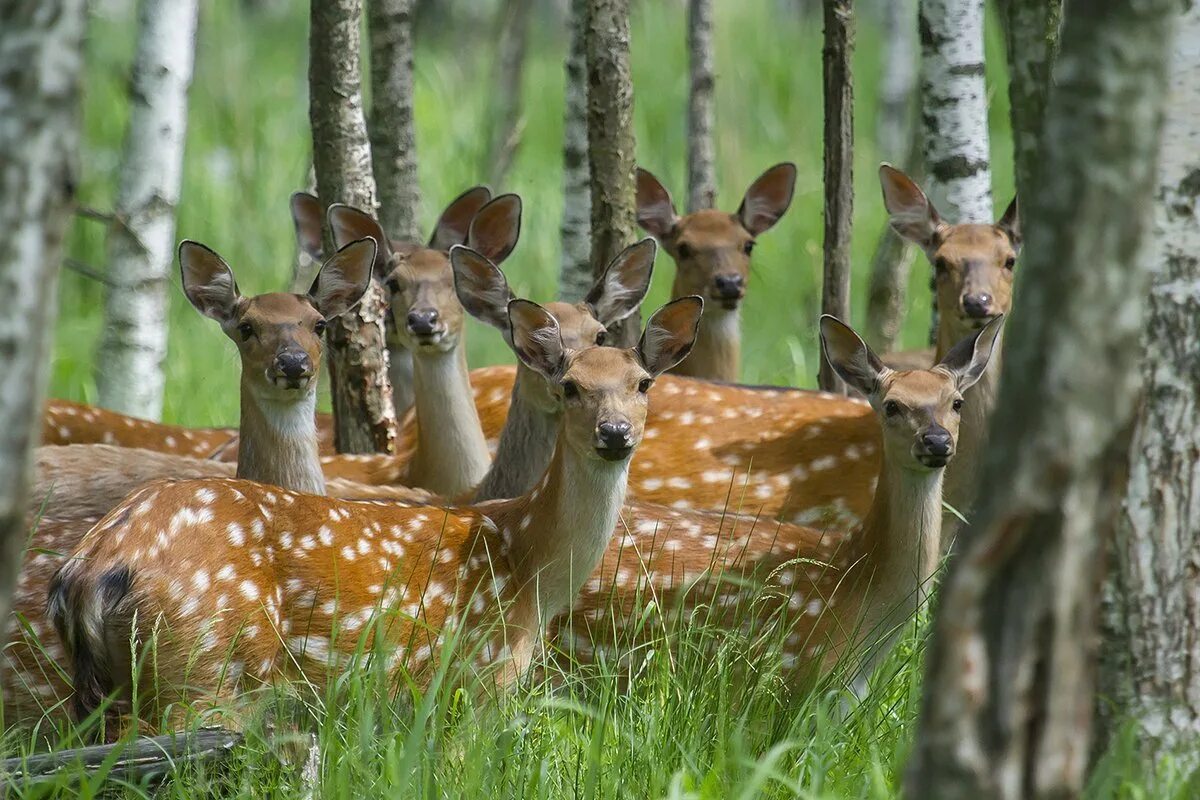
point(248, 149)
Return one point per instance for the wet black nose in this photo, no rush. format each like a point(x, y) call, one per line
point(421, 321)
point(293, 365)
point(729, 285)
point(614, 434)
point(977, 305)
point(937, 442)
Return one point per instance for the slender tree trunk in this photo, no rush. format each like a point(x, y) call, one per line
point(507, 122)
point(954, 113)
point(702, 169)
point(575, 275)
point(1031, 30)
point(141, 240)
point(610, 142)
point(887, 291)
point(839, 169)
point(393, 135)
point(1009, 686)
point(41, 61)
point(1150, 664)
point(364, 418)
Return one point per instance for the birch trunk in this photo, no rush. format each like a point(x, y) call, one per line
point(1031, 31)
point(364, 417)
point(611, 144)
point(575, 274)
point(392, 130)
point(141, 240)
point(1009, 686)
point(839, 169)
point(702, 169)
point(1151, 662)
point(507, 122)
point(41, 61)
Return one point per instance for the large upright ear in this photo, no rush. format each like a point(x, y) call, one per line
point(768, 198)
point(624, 283)
point(495, 229)
point(655, 211)
point(1010, 223)
point(454, 224)
point(969, 359)
point(344, 278)
point(536, 338)
point(670, 334)
point(909, 211)
point(481, 287)
point(349, 224)
point(208, 281)
point(849, 355)
point(307, 217)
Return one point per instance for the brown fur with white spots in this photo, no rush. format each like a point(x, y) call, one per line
point(266, 595)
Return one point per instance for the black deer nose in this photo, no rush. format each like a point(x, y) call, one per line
point(422, 320)
point(293, 365)
point(614, 435)
point(977, 305)
point(937, 442)
point(729, 286)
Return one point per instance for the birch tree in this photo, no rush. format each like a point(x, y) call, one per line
point(1151, 657)
point(575, 272)
point(41, 61)
point(141, 239)
point(507, 124)
point(1009, 684)
point(364, 417)
point(1031, 32)
point(702, 168)
point(611, 143)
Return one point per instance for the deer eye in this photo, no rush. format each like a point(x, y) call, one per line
point(393, 285)
point(601, 338)
point(941, 265)
point(570, 390)
point(683, 250)
point(644, 385)
point(246, 330)
point(319, 327)
point(1010, 262)
point(748, 247)
point(958, 404)
point(891, 408)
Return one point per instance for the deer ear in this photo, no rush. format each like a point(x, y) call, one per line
point(208, 281)
point(495, 229)
point(768, 198)
point(624, 283)
point(454, 224)
point(670, 334)
point(481, 287)
point(969, 359)
point(349, 224)
point(536, 338)
point(308, 217)
point(910, 213)
point(655, 211)
point(1010, 223)
point(849, 355)
point(344, 278)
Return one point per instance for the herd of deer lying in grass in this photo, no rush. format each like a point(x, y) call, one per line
point(516, 511)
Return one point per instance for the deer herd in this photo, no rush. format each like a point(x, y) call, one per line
point(555, 505)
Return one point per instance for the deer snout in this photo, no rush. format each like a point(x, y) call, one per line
point(614, 439)
point(294, 367)
point(423, 321)
point(935, 447)
point(729, 287)
point(977, 305)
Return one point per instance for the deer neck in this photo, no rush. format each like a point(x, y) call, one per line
point(526, 442)
point(717, 354)
point(278, 441)
point(452, 454)
point(963, 470)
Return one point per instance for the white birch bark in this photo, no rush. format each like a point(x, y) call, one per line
point(141, 240)
point(702, 169)
point(575, 275)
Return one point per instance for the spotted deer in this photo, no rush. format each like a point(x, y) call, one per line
point(712, 251)
point(238, 584)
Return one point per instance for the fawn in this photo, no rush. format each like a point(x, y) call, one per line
point(712, 250)
point(268, 594)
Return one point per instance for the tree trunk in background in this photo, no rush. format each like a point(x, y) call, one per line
point(839, 169)
point(1009, 685)
point(507, 122)
point(393, 135)
point(702, 168)
point(610, 143)
point(954, 113)
point(575, 274)
point(41, 61)
point(1031, 30)
point(887, 291)
point(1150, 664)
point(364, 418)
point(141, 240)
